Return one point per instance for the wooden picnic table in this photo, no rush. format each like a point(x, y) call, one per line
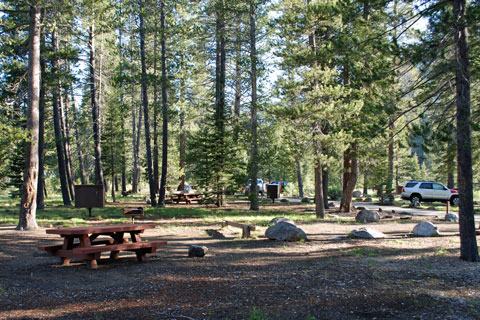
point(186, 197)
point(84, 242)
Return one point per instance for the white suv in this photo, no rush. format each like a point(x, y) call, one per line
point(429, 191)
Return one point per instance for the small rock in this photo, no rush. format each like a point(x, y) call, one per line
point(334, 216)
point(215, 234)
point(276, 220)
point(197, 251)
point(425, 229)
point(453, 217)
point(367, 216)
point(367, 233)
point(306, 200)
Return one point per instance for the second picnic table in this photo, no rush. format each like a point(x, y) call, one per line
point(186, 197)
point(83, 242)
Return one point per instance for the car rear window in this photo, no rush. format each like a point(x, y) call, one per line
point(411, 184)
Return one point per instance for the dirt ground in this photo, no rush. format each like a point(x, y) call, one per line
point(328, 277)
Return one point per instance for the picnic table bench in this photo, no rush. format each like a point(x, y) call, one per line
point(246, 228)
point(186, 197)
point(82, 242)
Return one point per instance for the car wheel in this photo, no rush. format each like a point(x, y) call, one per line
point(415, 198)
point(454, 201)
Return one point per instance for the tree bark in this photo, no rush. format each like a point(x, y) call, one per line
point(299, 178)
point(41, 128)
point(163, 179)
point(57, 125)
point(391, 155)
point(66, 144)
point(317, 131)
point(253, 111)
point(325, 187)
point(468, 240)
point(350, 167)
point(148, 146)
point(220, 64)
point(156, 172)
point(238, 82)
point(28, 204)
point(81, 167)
point(95, 108)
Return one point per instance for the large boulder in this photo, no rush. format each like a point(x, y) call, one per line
point(276, 220)
point(367, 233)
point(453, 217)
point(365, 216)
point(197, 251)
point(284, 231)
point(425, 229)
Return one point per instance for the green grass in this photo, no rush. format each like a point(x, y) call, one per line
point(257, 315)
point(55, 212)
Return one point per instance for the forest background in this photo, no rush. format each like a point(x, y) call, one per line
point(149, 95)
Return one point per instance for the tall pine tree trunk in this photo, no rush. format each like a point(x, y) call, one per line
point(148, 146)
point(391, 155)
point(238, 83)
point(325, 187)
point(220, 64)
point(317, 131)
point(350, 175)
point(95, 108)
point(57, 125)
point(468, 240)
point(81, 167)
point(253, 111)
point(66, 143)
point(28, 204)
point(156, 172)
point(163, 179)
point(41, 129)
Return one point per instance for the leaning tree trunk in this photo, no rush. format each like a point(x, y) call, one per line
point(95, 109)
point(57, 126)
point(163, 179)
point(468, 240)
point(350, 167)
point(148, 146)
point(253, 112)
point(28, 204)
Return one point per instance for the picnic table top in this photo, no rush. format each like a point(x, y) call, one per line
point(101, 229)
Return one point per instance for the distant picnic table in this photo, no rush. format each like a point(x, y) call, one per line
point(84, 242)
point(186, 197)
